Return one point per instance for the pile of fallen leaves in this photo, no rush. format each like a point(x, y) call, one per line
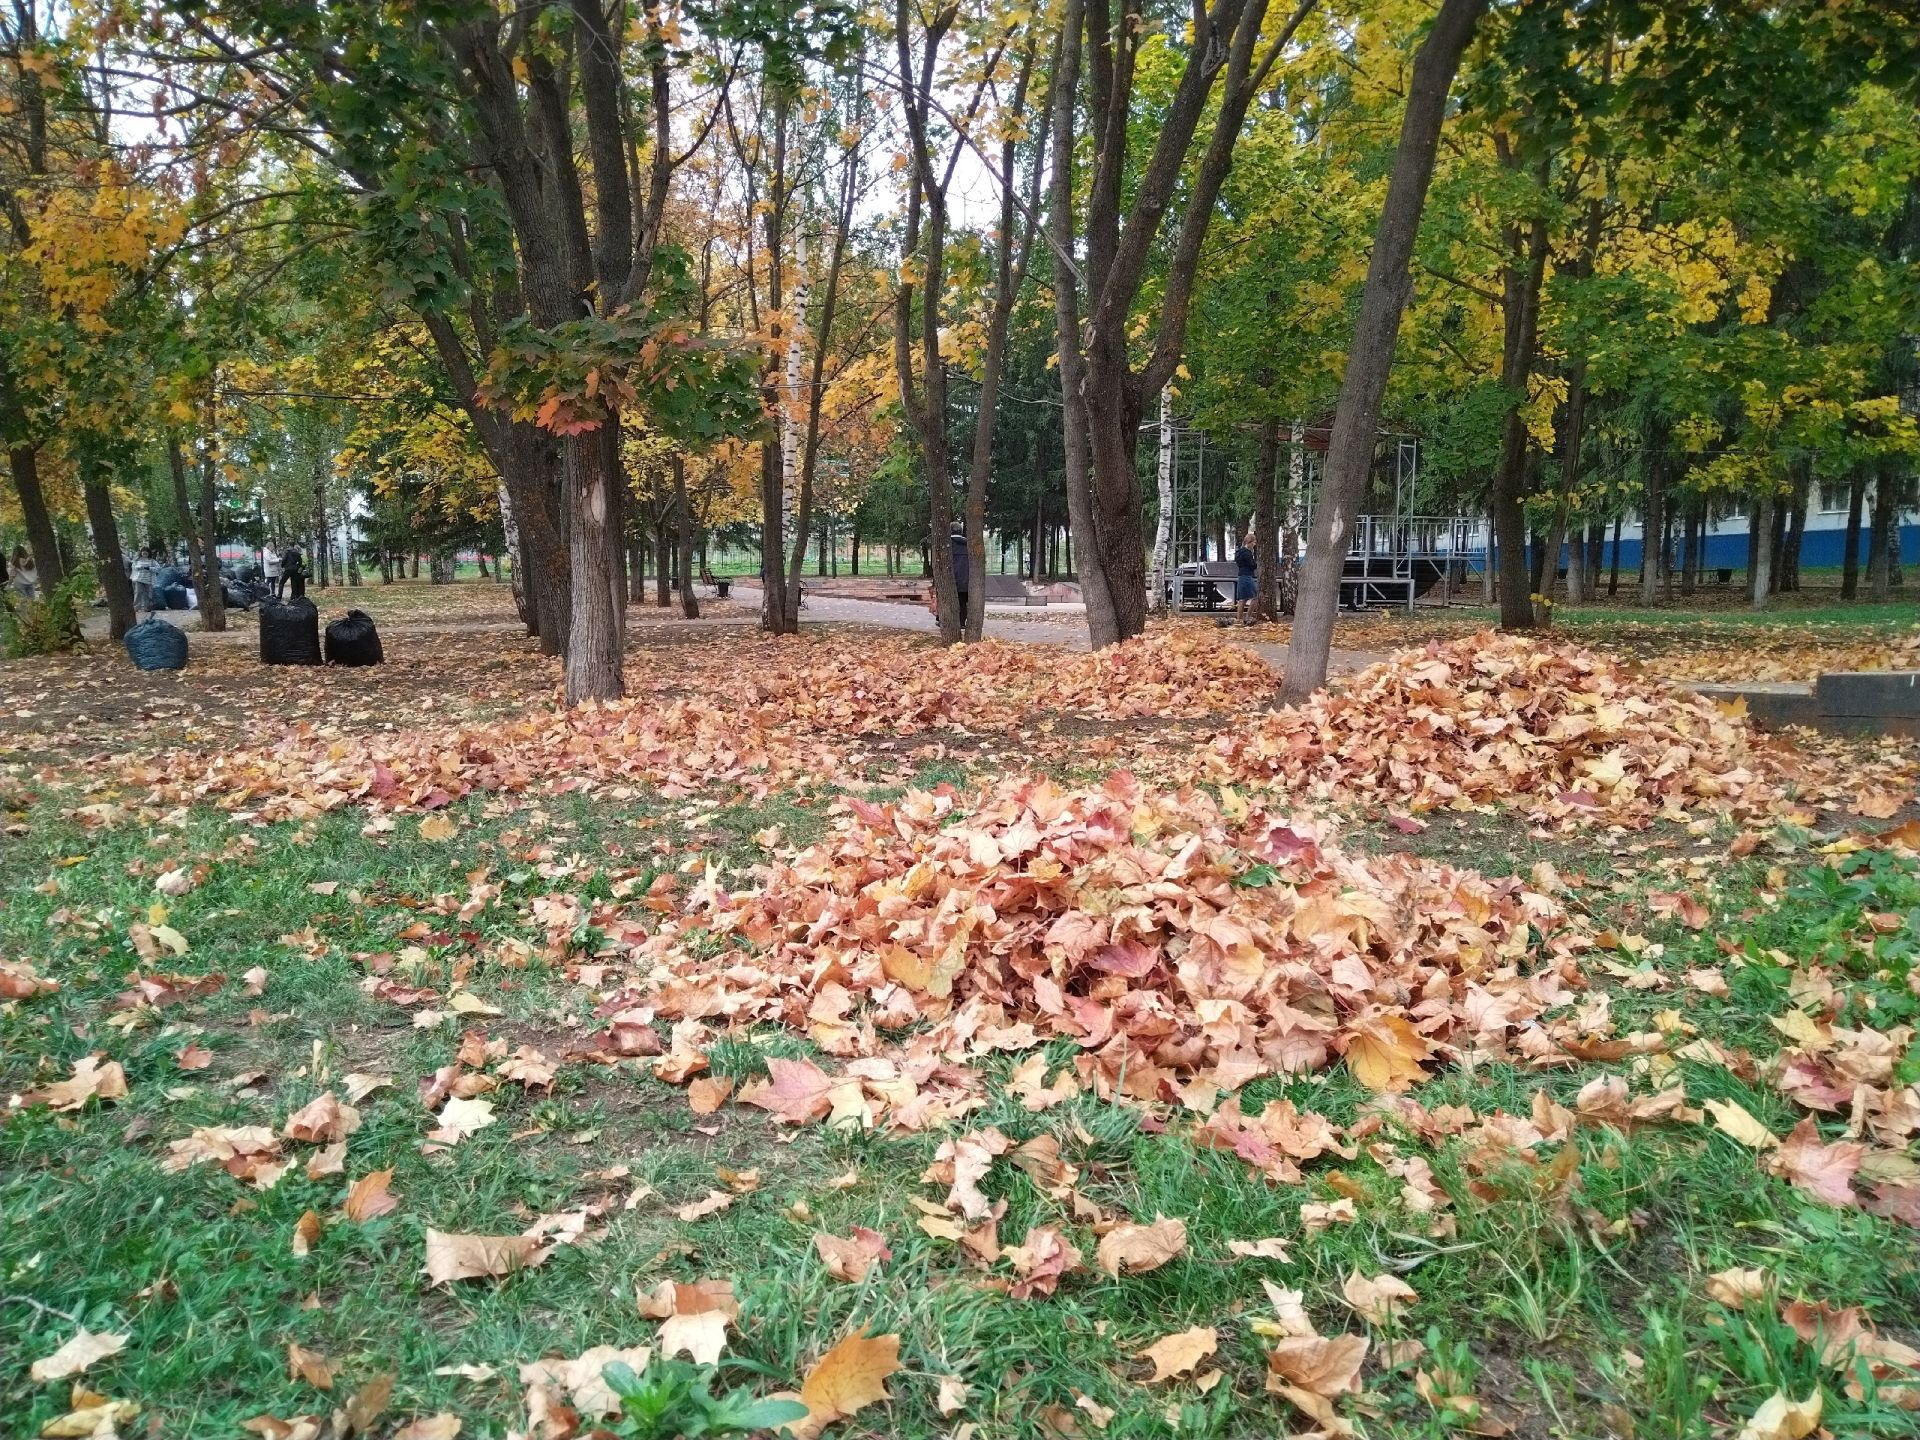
point(1181, 946)
point(768, 722)
point(1768, 653)
point(1562, 732)
point(875, 684)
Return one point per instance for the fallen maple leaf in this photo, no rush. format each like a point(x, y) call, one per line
point(92, 1079)
point(306, 1234)
point(1177, 1354)
point(1320, 1365)
point(461, 1117)
point(708, 1093)
point(368, 1197)
point(1734, 1120)
point(83, 1350)
point(1783, 1418)
point(797, 1091)
point(952, 1397)
point(1272, 1248)
point(473, 1257)
point(438, 828)
point(1377, 1300)
point(711, 1204)
point(850, 1259)
point(1384, 1052)
point(444, 1426)
point(1734, 1288)
point(311, 1366)
point(847, 1379)
point(1140, 1248)
point(322, 1120)
point(194, 1057)
point(581, 1381)
point(1040, 1260)
point(1824, 1171)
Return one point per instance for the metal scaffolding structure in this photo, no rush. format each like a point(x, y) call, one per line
point(1395, 554)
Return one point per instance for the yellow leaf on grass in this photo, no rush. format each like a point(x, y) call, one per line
point(1178, 1354)
point(84, 1349)
point(1782, 1418)
point(1140, 1248)
point(1384, 1052)
point(438, 828)
point(1733, 1119)
point(848, 1378)
point(1379, 1299)
point(473, 1257)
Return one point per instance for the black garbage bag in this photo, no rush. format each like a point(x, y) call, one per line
point(289, 632)
point(353, 640)
point(156, 645)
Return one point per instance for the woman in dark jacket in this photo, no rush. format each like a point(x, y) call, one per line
point(293, 566)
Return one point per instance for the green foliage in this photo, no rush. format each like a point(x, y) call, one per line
point(45, 626)
point(673, 1400)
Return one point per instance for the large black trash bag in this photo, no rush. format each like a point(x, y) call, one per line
point(289, 632)
point(353, 640)
point(156, 645)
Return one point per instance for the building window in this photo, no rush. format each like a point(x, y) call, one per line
point(1833, 496)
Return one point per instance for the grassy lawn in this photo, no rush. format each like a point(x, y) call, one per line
point(1562, 1288)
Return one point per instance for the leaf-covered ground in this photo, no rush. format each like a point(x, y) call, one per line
point(1508, 1045)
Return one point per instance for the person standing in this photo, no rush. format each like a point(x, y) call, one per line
point(1246, 582)
point(26, 575)
point(962, 566)
point(294, 566)
point(270, 570)
point(145, 569)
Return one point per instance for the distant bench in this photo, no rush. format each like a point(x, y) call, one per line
point(1011, 589)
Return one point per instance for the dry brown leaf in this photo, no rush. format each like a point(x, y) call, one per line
point(306, 1234)
point(93, 1079)
point(369, 1198)
point(711, 1204)
point(85, 1349)
point(1734, 1288)
point(581, 1381)
point(444, 1426)
point(708, 1093)
point(1825, 1172)
point(1272, 1248)
point(438, 828)
point(1178, 1354)
point(1734, 1120)
point(1140, 1248)
point(1379, 1299)
point(475, 1257)
point(1320, 1365)
point(1783, 1418)
point(847, 1379)
point(311, 1366)
point(850, 1259)
point(952, 1397)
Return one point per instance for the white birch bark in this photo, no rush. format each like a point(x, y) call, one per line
point(1163, 532)
point(793, 419)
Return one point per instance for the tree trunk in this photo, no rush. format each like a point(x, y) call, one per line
point(1266, 522)
point(1652, 523)
point(1880, 540)
point(183, 503)
point(106, 550)
point(1370, 358)
point(663, 561)
point(683, 532)
point(1850, 555)
point(1613, 575)
point(24, 462)
point(1762, 576)
point(1690, 547)
point(213, 600)
point(596, 633)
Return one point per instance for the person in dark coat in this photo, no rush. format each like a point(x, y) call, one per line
point(962, 566)
point(1246, 580)
point(293, 566)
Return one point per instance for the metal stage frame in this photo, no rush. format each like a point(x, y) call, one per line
point(1394, 555)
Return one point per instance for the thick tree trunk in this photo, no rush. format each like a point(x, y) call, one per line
point(1850, 554)
point(24, 463)
point(1762, 577)
point(1525, 274)
point(663, 559)
point(1880, 539)
point(1266, 522)
point(1796, 526)
point(596, 633)
point(1370, 358)
point(112, 562)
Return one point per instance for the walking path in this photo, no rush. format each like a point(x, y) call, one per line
point(1064, 625)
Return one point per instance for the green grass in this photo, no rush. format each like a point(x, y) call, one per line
point(1809, 608)
point(1558, 1304)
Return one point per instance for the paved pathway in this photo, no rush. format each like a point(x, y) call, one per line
point(1056, 625)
